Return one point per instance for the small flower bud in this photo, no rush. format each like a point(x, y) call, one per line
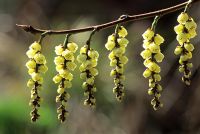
point(59, 60)
point(59, 49)
point(31, 53)
point(42, 69)
point(190, 25)
point(30, 83)
point(67, 84)
point(31, 64)
point(179, 29)
point(158, 39)
point(122, 42)
point(35, 76)
point(110, 45)
point(60, 90)
point(35, 46)
point(159, 57)
point(71, 66)
point(182, 18)
point(189, 47)
point(39, 58)
point(150, 92)
point(154, 48)
point(72, 47)
point(148, 34)
point(178, 50)
point(93, 54)
point(147, 73)
point(57, 78)
point(68, 55)
point(146, 54)
point(122, 32)
point(157, 77)
point(81, 58)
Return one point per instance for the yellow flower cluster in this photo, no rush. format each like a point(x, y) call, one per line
point(117, 44)
point(64, 62)
point(152, 55)
point(36, 65)
point(185, 30)
point(88, 59)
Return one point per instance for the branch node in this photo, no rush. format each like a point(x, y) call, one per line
point(43, 35)
point(123, 17)
point(96, 29)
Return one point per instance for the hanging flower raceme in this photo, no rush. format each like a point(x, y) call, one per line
point(88, 58)
point(152, 55)
point(185, 30)
point(36, 65)
point(117, 44)
point(64, 62)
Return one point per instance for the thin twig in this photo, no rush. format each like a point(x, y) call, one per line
point(154, 24)
point(33, 30)
point(66, 40)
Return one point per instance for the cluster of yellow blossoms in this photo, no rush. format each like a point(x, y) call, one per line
point(117, 44)
point(88, 59)
point(152, 54)
point(36, 65)
point(185, 30)
point(64, 62)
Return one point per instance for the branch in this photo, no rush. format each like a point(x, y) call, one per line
point(123, 19)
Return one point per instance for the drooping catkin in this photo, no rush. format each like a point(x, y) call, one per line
point(152, 55)
point(117, 44)
point(88, 58)
point(36, 65)
point(65, 63)
point(185, 30)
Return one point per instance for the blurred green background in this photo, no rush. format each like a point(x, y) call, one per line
point(181, 111)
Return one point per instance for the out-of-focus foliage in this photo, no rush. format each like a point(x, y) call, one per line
point(134, 115)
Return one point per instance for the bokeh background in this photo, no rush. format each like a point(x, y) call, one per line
point(181, 111)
